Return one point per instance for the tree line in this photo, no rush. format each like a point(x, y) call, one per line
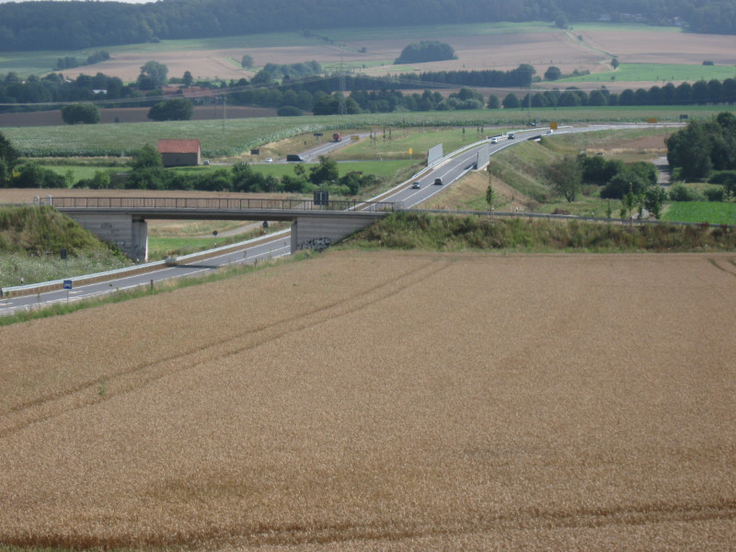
point(147, 173)
point(69, 25)
point(293, 97)
point(706, 150)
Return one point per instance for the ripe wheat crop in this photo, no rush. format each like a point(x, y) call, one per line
point(384, 401)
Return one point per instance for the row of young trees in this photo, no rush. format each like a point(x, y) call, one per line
point(634, 184)
point(699, 93)
point(147, 173)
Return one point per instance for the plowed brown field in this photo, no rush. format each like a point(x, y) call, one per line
point(385, 401)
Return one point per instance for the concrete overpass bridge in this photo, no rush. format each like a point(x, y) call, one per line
point(122, 220)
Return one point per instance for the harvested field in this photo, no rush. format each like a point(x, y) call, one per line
point(637, 46)
point(384, 401)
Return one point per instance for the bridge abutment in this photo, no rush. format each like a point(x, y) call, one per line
point(306, 231)
point(127, 232)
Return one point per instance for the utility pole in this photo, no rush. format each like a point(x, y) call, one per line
point(342, 107)
point(224, 109)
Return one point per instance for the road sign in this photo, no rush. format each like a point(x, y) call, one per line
point(411, 150)
point(321, 197)
point(651, 120)
point(67, 284)
point(553, 125)
point(355, 137)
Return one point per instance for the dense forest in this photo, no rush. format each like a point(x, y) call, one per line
point(62, 25)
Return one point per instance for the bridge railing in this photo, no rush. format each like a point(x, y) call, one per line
point(230, 204)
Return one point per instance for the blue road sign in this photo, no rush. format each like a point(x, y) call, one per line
point(67, 284)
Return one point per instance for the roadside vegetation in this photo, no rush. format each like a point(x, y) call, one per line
point(33, 240)
point(183, 243)
point(436, 232)
point(608, 174)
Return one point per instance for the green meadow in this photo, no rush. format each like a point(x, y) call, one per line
point(702, 211)
point(240, 135)
point(664, 72)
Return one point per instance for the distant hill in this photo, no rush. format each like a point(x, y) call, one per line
point(52, 25)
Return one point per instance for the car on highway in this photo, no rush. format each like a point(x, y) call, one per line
point(416, 186)
point(438, 182)
point(269, 160)
point(512, 136)
point(494, 140)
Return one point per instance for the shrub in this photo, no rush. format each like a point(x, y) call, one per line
point(680, 192)
point(289, 111)
point(84, 113)
point(178, 109)
point(553, 73)
point(715, 193)
point(427, 50)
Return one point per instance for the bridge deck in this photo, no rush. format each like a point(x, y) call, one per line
point(219, 206)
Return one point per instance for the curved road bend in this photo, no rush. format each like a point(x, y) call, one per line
point(449, 171)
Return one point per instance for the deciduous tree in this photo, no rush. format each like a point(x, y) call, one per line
point(566, 177)
point(80, 113)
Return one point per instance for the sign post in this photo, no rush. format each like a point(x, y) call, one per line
point(67, 287)
point(321, 197)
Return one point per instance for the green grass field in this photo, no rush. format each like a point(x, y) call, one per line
point(383, 169)
point(158, 248)
point(241, 135)
point(664, 72)
point(412, 143)
point(600, 26)
point(702, 211)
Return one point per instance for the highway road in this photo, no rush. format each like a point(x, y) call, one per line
point(279, 247)
point(451, 169)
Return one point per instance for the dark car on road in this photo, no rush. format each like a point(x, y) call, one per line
point(438, 181)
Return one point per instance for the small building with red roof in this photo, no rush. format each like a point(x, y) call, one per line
point(180, 153)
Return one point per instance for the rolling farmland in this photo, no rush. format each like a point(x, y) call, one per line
point(438, 401)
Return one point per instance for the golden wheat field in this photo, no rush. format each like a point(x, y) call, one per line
point(394, 401)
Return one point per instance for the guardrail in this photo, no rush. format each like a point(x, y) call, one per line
point(230, 204)
point(87, 279)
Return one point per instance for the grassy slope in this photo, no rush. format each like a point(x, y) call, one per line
point(457, 233)
point(31, 239)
